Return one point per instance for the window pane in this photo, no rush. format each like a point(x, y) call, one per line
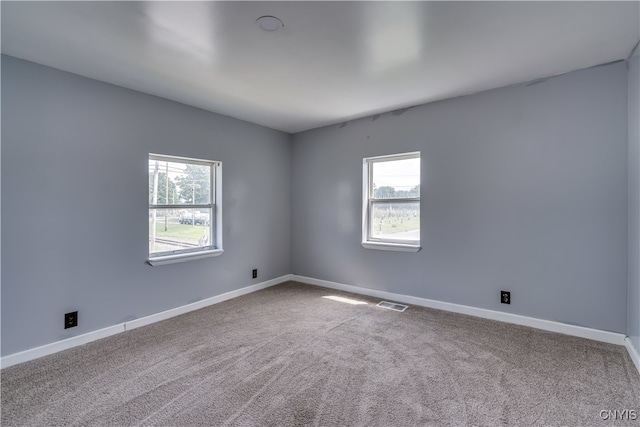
point(396, 179)
point(396, 221)
point(179, 229)
point(179, 183)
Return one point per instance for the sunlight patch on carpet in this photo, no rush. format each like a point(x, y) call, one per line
point(345, 300)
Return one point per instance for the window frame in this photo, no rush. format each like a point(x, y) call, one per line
point(368, 203)
point(215, 206)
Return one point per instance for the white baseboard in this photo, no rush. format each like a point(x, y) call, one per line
point(34, 353)
point(633, 353)
point(547, 325)
point(54, 347)
point(579, 331)
point(143, 321)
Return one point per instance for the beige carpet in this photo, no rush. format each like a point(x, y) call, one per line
point(287, 356)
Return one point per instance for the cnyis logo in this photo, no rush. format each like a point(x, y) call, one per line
point(619, 414)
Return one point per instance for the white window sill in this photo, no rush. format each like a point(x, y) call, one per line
point(172, 259)
point(400, 247)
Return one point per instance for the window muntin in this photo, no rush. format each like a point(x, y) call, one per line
point(184, 208)
point(391, 203)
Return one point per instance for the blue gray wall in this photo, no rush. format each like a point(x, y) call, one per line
point(74, 197)
point(633, 300)
point(524, 189)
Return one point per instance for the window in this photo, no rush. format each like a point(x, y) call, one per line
point(391, 202)
point(185, 213)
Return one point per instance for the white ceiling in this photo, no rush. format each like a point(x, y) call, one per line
point(332, 62)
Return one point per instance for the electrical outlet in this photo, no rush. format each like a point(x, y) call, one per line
point(505, 297)
point(254, 273)
point(71, 320)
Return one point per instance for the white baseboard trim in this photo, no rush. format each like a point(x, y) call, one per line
point(144, 321)
point(633, 353)
point(579, 331)
point(547, 325)
point(44, 350)
point(54, 347)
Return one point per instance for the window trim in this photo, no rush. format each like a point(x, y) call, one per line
point(215, 197)
point(172, 259)
point(368, 202)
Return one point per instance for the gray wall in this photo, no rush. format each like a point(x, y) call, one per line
point(633, 300)
point(524, 189)
point(74, 203)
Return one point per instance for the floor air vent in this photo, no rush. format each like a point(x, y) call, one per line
point(393, 306)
